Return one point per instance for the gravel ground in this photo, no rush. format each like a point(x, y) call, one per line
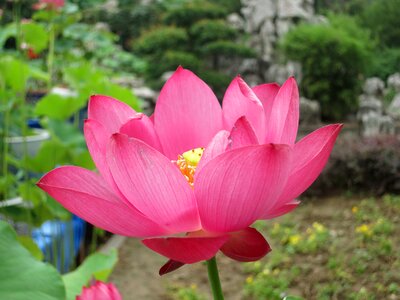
point(136, 275)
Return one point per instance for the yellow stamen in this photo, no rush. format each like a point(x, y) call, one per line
point(187, 163)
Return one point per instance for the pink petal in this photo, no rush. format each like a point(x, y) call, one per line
point(187, 114)
point(109, 112)
point(152, 183)
point(280, 210)
point(266, 93)
point(240, 100)
point(242, 134)
point(85, 194)
point(218, 145)
point(235, 187)
point(284, 117)
point(309, 158)
point(142, 128)
point(100, 291)
point(170, 266)
point(97, 137)
point(187, 250)
point(246, 245)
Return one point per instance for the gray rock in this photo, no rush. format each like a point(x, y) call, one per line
point(236, 21)
point(370, 113)
point(280, 73)
point(310, 112)
point(394, 108)
point(374, 86)
point(394, 82)
point(295, 8)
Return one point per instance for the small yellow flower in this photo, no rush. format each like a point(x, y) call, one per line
point(312, 237)
point(294, 239)
point(275, 228)
point(193, 286)
point(257, 264)
point(354, 209)
point(318, 227)
point(276, 271)
point(364, 229)
point(249, 280)
point(266, 271)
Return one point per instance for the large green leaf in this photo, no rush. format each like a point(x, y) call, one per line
point(59, 107)
point(51, 153)
point(21, 276)
point(14, 73)
point(97, 265)
point(6, 32)
point(31, 246)
point(35, 36)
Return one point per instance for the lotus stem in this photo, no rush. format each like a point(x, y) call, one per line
point(214, 279)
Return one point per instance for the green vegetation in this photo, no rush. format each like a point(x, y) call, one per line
point(195, 35)
point(350, 254)
point(333, 56)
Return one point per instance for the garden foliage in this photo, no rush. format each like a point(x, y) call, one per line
point(333, 56)
point(193, 34)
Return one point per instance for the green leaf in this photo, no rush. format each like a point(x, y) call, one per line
point(14, 73)
point(97, 265)
point(84, 160)
point(29, 192)
point(23, 277)
point(51, 153)
point(35, 36)
point(67, 133)
point(6, 32)
point(121, 93)
point(31, 246)
point(58, 107)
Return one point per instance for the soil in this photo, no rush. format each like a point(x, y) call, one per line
point(136, 274)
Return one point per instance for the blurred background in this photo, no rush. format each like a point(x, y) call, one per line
point(343, 241)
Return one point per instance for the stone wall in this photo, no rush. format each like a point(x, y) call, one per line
point(266, 21)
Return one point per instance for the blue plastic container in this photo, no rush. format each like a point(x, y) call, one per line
point(60, 241)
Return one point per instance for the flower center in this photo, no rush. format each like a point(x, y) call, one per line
point(187, 163)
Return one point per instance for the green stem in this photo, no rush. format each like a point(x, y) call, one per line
point(214, 279)
point(50, 55)
point(17, 20)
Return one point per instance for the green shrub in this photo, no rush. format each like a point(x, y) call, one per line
point(206, 31)
point(382, 18)
point(171, 60)
point(156, 41)
point(386, 62)
point(191, 12)
point(131, 19)
point(332, 56)
point(227, 49)
point(194, 35)
point(217, 80)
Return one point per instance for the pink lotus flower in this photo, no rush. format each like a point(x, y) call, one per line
point(100, 291)
point(194, 168)
point(49, 4)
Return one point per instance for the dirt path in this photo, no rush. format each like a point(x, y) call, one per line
point(136, 274)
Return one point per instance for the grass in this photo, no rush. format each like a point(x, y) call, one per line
point(336, 248)
point(352, 254)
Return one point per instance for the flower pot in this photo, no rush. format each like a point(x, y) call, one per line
point(59, 241)
point(33, 142)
